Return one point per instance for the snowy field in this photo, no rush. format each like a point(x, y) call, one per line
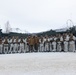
point(38, 64)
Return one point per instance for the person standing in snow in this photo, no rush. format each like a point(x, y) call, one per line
point(66, 40)
point(28, 43)
point(72, 43)
point(16, 44)
point(25, 45)
point(50, 43)
point(36, 43)
point(46, 44)
point(58, 44)
point(54, 44)
point(62, 42)
point(1, 45)
point(21, 47)
point(11, 45)
point(41, 44)
point(31, 44)
point(5, 42)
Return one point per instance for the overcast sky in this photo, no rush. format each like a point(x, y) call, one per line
point(37, 15)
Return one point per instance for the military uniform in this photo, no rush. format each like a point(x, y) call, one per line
point(5, 45)
point(58, 45)
point(50, 43)
point(31, 44)
point(62, 42)
point(46, 44)
point(54, 44)
point(11, 45)
point(21, 45)
point(16, 45)
point(66, 39)
point(36, 43)
point(28, 44)
point(72, 43)
point(1, 45)
point(25, 45)
point(41, 46)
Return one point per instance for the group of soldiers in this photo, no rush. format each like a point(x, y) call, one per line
point(33, 43)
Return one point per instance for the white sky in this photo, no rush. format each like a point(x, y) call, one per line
point(37, 15)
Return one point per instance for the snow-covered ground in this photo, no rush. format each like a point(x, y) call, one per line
point(38, 64)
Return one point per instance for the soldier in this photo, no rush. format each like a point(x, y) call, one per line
point(41, 46)
point(31, 44)
point(5, 45)
point(28, 44)
point(16, 44)
point(11, 45)
point(25, 45)
point(58, 44)
point(50, 42)
point(72, 43)
point(36, 43)
point(66, 40)
point(62, 42)
point(54, 44)
point(21, 45)
point(1, 45)
point(46, 44)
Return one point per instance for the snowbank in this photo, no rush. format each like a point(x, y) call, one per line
point(38, 64)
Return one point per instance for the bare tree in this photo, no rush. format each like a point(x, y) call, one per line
point(7, 27)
